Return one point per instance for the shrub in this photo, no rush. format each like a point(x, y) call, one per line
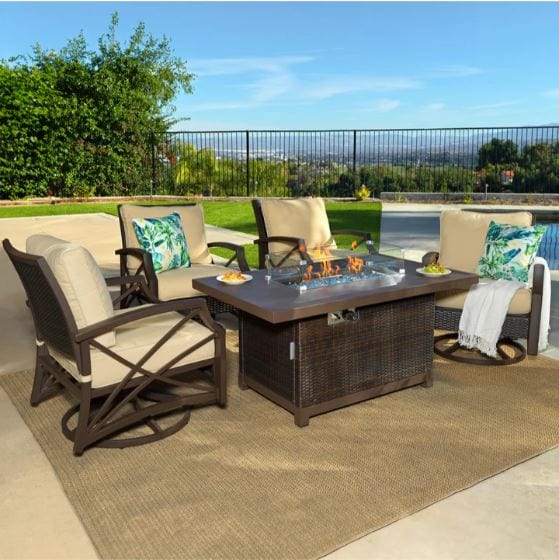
point(362, 193)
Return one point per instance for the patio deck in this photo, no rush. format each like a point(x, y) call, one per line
point(512, 515)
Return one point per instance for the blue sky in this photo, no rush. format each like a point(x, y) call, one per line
point(295, 65)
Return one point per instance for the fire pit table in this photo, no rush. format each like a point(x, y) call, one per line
point(315, 349)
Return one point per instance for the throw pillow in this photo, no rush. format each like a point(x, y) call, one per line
point(509, 251)
point(164, 239)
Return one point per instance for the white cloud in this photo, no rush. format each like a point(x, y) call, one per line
point(435, 107)
point(494, 106)
point(274, 80)
point(270, 77)
point(455, 71)
point(386, 105)
point(551, 93)
point(219, 106)
point(232, 66)
point(339, 85)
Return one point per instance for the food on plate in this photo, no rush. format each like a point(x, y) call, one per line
point(233, 276)
point(434, 268)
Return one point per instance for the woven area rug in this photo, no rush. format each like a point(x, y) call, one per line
point(245, 482)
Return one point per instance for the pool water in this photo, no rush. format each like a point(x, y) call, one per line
point(549, 248)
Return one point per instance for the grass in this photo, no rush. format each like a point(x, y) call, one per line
point(235, 215)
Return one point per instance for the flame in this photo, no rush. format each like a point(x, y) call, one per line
point(354, 265)
point(320, 253)
point(308, 275)
point(323, 254)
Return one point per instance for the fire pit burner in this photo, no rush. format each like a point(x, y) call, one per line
point(333, 270)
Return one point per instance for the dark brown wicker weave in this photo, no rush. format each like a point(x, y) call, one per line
point(298, 245)
point(389, 347)
point(106, 412)
point(145, 264)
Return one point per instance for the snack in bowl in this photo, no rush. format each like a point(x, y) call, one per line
point(234, 277)
point(434, 268)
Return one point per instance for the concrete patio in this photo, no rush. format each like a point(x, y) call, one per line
point(512, 515)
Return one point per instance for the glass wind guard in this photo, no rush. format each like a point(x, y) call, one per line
point(327, 267)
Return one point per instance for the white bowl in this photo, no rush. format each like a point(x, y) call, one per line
point(423, 272)
point(246, 278)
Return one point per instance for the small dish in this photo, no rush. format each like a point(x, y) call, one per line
point(433, 274)
point(246, 278)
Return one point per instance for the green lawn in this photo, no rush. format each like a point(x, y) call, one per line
point(235, 215)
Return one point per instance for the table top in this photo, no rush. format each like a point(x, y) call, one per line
point(278, 303)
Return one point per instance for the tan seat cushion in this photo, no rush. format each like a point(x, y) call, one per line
point(192, 218)
point(134, 340)
point(177, 283)
point(80, 280)
point(304, 218)
point(521, 302)
point(463, 235)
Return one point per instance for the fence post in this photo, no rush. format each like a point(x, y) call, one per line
point(152, 186)
point(248, 162)
point(354, 167)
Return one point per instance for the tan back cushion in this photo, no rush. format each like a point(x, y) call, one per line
point(40, 243)
point(463, 235)
point(83, 285)
point(304, 218)
point(192, 218)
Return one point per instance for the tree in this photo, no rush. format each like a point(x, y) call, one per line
point(196, 170)
point(33, 143)
point(497, 152)
point(106, 101)
point(538, 169)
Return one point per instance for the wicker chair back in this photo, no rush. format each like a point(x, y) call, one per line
point(54, 322)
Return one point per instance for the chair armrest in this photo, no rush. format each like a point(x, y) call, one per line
point(430, 257)
point(295, 241)
point(537, 280)
point(196, 306)
point(357, 232)
point(131, 286)
point(298, 244)
point(140, 254)
point(143, 256)
point(119, 280)
point(145, 267)
point(239, 255)
point(364, 237)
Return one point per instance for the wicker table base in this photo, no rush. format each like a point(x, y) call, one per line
point(310, 367)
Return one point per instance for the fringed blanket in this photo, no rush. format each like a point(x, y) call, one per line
point(486, 307)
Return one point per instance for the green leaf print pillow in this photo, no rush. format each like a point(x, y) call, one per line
point(164, 239)
point(509, 251)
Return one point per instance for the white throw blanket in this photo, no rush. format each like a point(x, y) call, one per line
point(486, 307)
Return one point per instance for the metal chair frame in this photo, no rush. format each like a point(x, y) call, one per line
point(515, 326)
point(146, 268)
point(103, 412)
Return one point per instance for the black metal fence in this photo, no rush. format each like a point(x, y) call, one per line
point(336, 162)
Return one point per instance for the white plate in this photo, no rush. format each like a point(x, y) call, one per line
point(247, 278)
point(433, 274)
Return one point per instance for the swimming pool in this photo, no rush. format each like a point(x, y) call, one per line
point(549, 248)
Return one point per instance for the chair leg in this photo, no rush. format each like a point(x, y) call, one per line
point(80, 435)
point(221, 381)
point(219, 367)
point(533, 339)
point(44, 384)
